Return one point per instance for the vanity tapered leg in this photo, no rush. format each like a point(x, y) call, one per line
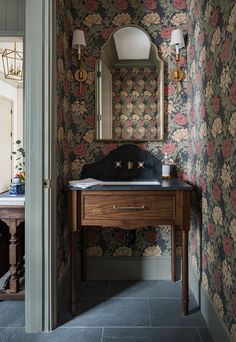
point(73, 273)
point(185, 294)
point(83, 254)
point(173, 253)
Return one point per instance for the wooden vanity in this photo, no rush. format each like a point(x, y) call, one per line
point(12, 213)
point(130, 207)
point(167, 204)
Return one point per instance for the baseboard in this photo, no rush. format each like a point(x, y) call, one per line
point(131, 268)
point(214, 322)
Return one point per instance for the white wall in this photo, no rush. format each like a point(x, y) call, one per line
point(16, 96)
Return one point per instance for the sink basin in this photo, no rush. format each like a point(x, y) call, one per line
point(132, 182)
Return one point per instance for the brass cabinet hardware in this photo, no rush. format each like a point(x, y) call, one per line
point(128, 208)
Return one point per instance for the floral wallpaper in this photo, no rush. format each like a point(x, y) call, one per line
point(76, 110)
point(134, 103)
point(211, 148)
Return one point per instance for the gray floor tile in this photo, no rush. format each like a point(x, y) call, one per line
point(12, 314)
point(205, 335)
point(111, 312)
point(91, 289)
point(58, 335)
point(169, 312)
point(151, 335)
point(145, 289)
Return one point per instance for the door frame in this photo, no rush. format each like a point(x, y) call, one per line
point(40, 146)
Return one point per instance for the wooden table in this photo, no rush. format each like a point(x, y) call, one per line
point(13, 216)
point(131, 207)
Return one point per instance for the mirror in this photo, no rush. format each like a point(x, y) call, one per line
point(129, 88)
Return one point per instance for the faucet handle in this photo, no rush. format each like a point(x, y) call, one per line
point(141, 165)
point(130, 165)
point(118, 163)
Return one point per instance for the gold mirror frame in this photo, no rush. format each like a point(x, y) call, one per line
point(99, 95)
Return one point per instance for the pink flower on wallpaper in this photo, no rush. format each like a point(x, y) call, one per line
point(216, 191)
point(179, 4)
point(66, 86)
point(168, 148)
point(193, 116)
point(218, 280)
point(93, 237)
point(90, 120)
point(211, 230)
point(150, 4)
point(210, 148)
point(190, 27)
point(202, 111)
point(181, 61)
point(180, 119)
point(192, 52)
point(226, 148)
point(233, 198)
point(198, 78)
point(169, 90)
point(66, 149)
point(107, 32)
point(204, 260)
point(129, 123)
point(203, 184)
point(120, 236)
point(225, 51)
point(151, 237)
point(201, 37)
point(197, 9)
point(228, 246)
point(90, 61)
point(216, 104)
point(233, 94)
point(166, 33)
point(209, 67)
point(193, 246)
point(79, 90)
point(214, 17)
point(121, 4)
point(60, 116)
point(108, 148)
point(92, 5)
point(80, 150)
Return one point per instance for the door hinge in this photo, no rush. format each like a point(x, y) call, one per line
point(47, 184)
point(99, 74)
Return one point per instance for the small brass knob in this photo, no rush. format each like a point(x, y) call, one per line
point(130, 165)
point(141, 165)
point(118, 163)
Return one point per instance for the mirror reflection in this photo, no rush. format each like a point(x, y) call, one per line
point(129, 88)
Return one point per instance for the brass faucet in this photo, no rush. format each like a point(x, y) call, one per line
point(130, 165)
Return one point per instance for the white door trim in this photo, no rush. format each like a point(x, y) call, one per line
point(40, 211)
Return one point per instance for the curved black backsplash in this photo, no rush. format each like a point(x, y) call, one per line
point(105, 169)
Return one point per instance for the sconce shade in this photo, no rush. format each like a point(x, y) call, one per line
point(78, 39)
point(177, 38)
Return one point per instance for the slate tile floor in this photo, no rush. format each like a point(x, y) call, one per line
point(116, 311)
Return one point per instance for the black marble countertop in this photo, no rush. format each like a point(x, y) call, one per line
point(172, 184)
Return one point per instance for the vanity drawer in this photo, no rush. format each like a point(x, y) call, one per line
point(121, 205)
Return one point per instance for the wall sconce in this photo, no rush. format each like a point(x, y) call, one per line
point(77, 42)
point(177, 39)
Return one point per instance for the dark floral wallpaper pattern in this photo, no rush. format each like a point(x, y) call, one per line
point(76, 109)
point(211, 146)
point(134, 103)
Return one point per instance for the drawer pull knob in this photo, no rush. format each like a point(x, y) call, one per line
point(128, 208)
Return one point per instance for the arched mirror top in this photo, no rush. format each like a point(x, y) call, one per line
point(129, 87)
